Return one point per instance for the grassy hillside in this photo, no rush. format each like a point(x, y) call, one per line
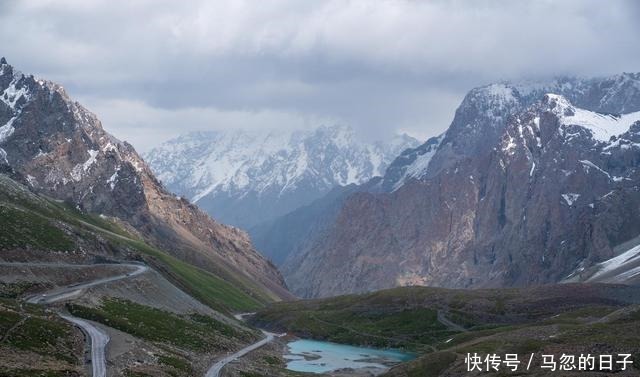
point(194, 332)
point(443, 325)
point(40, 224)
point(34, 342)
point(597, 332)
point(222, 295)
point(39, 343)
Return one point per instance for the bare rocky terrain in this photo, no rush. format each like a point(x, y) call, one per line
point(524, 188)
point(60, 149)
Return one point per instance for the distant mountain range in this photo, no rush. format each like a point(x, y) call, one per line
point(532, 183)
point(247, 178)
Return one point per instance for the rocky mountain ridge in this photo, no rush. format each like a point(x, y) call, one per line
point(524, 188)
point(61, 150)
point(246, 178)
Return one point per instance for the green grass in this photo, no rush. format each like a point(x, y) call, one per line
point(250, 374)
point(23, 229)
point(624, 335)
point(201, 284)
point(176, 364)
point(30, 329)
point(37, 373)
point(197, 333)
point(44, 336)
point(28, 220)
point(405, 328)
point(431, 365)
point(8, 319)
point(497, 321)
point(129, 373)
point(210, 289)
point(272, 360)
point(14, 290)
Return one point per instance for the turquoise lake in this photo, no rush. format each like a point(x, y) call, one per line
point(320, 357)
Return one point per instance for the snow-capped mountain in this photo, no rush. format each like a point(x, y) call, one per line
point(531, 183)
point(483, 114)
point(58, 148)
point(245, 178)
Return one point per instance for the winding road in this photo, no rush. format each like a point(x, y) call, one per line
point(215, 369)
point(98, 338)
point(74, 290)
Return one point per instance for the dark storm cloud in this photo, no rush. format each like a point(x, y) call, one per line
point(380, 66)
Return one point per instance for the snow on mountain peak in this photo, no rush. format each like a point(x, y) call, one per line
point(500, 92)
point(602, 126)
point(264, 164)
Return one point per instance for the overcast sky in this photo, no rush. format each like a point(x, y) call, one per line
point(152, 69)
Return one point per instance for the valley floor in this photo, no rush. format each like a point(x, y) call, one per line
point(156, 329)
point(446, 326)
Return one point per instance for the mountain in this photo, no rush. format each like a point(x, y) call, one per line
point(247, 178)
point(285, 236)
point(412, 163)
point(531, 183)
point(59, 149)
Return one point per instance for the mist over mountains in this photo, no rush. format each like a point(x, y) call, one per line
point(330, 188)
point(246, 178)
point(502, 198)
point(532, 183)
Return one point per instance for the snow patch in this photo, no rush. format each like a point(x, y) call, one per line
point(602, 126)
point(570, 198)
point(32, 180)
point(13, 94)
point(113, 179)
point(79, 169)
point(240, 162)
point(588, 164)
point(91, 160)
point(7, 130)
point(614, 263)
point(510, 146)
point(500, 94)
point(419, 167)
point(533, 168)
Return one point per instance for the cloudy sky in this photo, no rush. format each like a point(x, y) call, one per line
point(152, 69)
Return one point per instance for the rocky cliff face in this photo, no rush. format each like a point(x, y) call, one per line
point(61, 150)
point(524, 188)
point(247, 178)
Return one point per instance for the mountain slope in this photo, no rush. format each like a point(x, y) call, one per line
point(60, 149)
point(173, 322)
point(247, 178)
point(523, 189)
point(287, 236)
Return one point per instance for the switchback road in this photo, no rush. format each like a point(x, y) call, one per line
point(99, 341)
point(98, 338)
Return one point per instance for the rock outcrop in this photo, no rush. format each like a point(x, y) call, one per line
point(60, 149)
point(531, 183)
